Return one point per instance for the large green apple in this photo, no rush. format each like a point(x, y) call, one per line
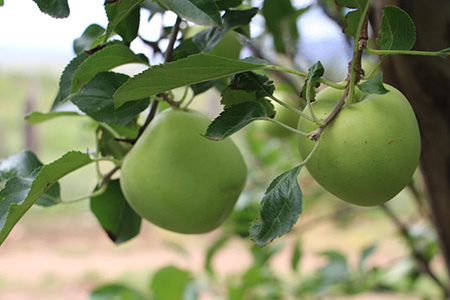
point(179, 180)
point(369, 152)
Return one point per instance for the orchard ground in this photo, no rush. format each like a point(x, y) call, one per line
point(61, 252)
point(50, 255)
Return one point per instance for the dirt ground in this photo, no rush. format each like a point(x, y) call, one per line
point(64, 257)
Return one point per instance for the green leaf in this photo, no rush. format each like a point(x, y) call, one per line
point(374, 85)
point(118, 11)
point(249, 86)
point(103, 60)
point(253, 82)
point(226, 4)
point(315, 72)
point(352, 18)
point(115, 215)
point(1, 3)
point(19, 195)
point(296, 255)
point(171, 277)
point(366, 253)
point(207, 39)
point(128, 28)
point(22, 168)
point(109, 146)
point(193, 69)
point(65, 81)
point(54, 8)
point(202, 12)
point(36, 117)
point(88, 39)
point(281, 22)
point(231, 97)
point(96, 99)
point(22, 164)
point(115, 291)
point(352, 21)
point(280, 208)
point(352, 3)
point(336, 270)
point(397, 30)
point(234, 118)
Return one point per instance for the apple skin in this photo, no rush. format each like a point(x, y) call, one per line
point(229, 46)
point(179, 180)
point(369, 151)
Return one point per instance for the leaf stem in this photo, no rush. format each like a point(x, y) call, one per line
point(291, 108)
point(316, 145)
point(115, 161)
point(110, 130)
point(98, 192)
point(376, 68)
point(302, 74)
point(407, 52)
point(288, 127)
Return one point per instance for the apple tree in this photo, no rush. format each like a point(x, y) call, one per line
point(358, 138)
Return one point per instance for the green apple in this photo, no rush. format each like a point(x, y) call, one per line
point(229, 46)
point(369, 152)
point(179, 180)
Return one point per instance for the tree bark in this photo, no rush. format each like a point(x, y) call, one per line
point(425, 81)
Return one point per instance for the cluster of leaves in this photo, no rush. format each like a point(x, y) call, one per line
point(114, 100)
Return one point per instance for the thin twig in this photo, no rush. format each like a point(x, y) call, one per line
point(362, 41)
point(108, 176)
point(418, 256)
point(173, 39)
point(154, 106)
point(421, 207)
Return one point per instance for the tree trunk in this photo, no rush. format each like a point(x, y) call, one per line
point(425, 81)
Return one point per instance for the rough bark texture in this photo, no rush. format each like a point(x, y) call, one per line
point(426, 83)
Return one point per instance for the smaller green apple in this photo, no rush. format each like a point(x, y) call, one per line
point(369, 151)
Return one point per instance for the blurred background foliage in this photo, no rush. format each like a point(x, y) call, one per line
point(335, 251)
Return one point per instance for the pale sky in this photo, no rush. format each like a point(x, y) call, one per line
point(29, 37)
